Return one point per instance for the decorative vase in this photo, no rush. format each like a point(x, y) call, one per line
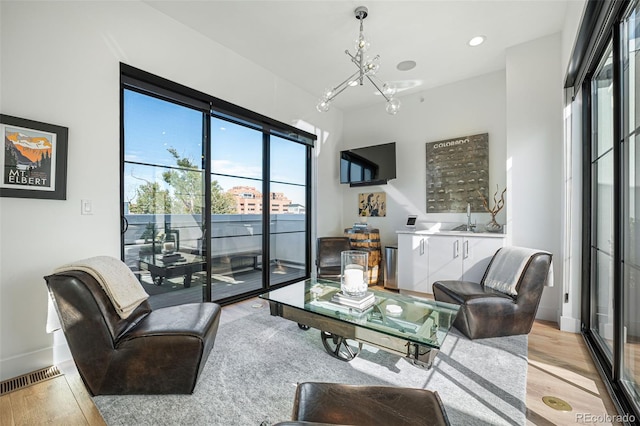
point(354, 266)
point(493, 226)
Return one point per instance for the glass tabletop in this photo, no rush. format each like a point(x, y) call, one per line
point(417, 320)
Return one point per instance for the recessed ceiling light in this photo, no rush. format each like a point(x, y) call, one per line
point(406, 65)
point(477, 40)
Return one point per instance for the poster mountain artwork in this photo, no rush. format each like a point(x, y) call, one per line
point(28, 159)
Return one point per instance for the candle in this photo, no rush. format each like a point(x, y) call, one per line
point(353, 278)
point(168, 247)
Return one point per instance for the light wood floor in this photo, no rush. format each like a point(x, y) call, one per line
point(559, 366)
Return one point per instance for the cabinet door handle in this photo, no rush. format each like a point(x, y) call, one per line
point(465, 250)
point(456, 249)
point(421, 246)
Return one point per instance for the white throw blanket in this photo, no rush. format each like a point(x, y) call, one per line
point(506, 268)
point(117, 280)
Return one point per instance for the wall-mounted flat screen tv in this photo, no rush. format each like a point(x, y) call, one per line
point(371, 165)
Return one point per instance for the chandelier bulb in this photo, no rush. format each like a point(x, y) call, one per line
point(323, 105)
point(393, 105)
point(389, 90)
point(362, 44)
point(371, 66)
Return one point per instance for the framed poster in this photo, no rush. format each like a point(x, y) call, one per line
point(373, 204)
point(457, 174)
point(34, 159)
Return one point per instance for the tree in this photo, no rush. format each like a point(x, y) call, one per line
point(151, 199)
point(186, 182)
point(221, 202)
point(187, 189)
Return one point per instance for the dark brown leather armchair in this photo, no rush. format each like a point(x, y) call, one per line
point(158, 351)
point(328, 256)
point(485, 312)
point(339, 404)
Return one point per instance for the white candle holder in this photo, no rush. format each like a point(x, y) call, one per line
point(354, 267)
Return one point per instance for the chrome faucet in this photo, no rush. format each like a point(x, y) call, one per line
point(470, 227)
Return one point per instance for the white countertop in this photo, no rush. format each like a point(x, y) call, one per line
point(451, 233)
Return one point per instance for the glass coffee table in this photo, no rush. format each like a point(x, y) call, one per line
point(404, 325)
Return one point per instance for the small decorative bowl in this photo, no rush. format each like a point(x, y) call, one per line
point(393, 310)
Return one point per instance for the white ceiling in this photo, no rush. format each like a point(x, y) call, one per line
point(304, 41)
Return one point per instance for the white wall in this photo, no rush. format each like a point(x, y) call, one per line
point(468, 107)
point(60, 65)
point(535, 153)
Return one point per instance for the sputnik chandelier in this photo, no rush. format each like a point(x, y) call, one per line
point(367, 68)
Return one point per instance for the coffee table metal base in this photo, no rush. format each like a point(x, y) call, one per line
point(339, 347)
point(335, 334)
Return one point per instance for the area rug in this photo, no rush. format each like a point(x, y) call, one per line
point(258, 359)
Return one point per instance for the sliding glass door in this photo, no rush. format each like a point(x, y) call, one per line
point(243, 202)
point(236, 208)
point(288, 193)
point(215, 198)
point(163, 197)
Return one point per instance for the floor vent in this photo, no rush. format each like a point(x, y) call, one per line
point(29, 379)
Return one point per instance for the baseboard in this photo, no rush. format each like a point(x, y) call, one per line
point(27, 362)
point(572, 325)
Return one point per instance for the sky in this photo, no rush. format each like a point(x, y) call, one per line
point(153, 126)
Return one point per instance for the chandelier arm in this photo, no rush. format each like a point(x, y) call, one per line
point(354, 59)
point(344, 87)
point(378, 88)
point(357, 61)
point(344, 83)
